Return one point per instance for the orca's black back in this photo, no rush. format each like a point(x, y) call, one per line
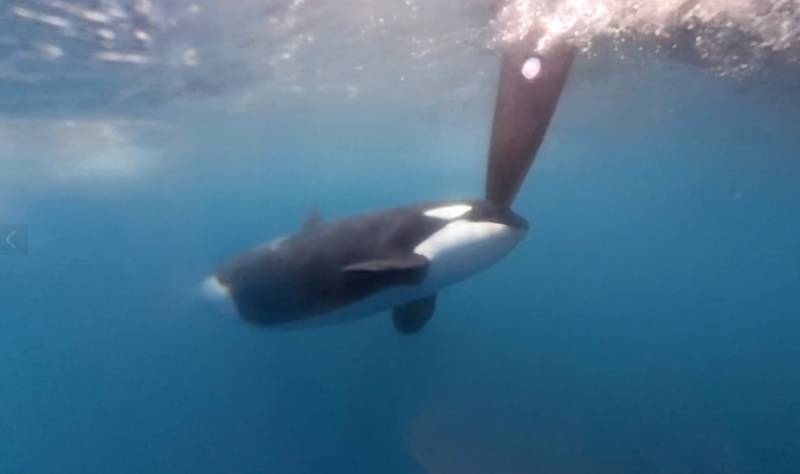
point(302, 276)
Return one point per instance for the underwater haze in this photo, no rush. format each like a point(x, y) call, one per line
point(649, 322)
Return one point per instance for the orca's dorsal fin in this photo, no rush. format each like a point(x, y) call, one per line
point(312, 220)
point(411, 317)
point(528, 92)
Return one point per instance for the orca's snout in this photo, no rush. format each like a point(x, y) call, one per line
point(218, 295)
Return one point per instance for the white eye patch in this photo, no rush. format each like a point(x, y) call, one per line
point(449, 212)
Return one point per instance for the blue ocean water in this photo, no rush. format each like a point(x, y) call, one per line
point(648, 324)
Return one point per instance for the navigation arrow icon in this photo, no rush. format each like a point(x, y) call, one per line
point(9, 240)
point(13, 239)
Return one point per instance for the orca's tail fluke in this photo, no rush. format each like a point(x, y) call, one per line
point(528, 92)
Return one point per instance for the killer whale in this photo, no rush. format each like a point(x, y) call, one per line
point(399, 259)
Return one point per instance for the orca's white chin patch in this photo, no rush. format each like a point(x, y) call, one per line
point(218, 294)
point(463, 248)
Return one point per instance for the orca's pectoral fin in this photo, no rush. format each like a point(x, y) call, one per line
point(404, 270)
point(312, 220)
point(411, 317)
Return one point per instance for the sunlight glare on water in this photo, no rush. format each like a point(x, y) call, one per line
point(760, 26)
point(153, 52)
